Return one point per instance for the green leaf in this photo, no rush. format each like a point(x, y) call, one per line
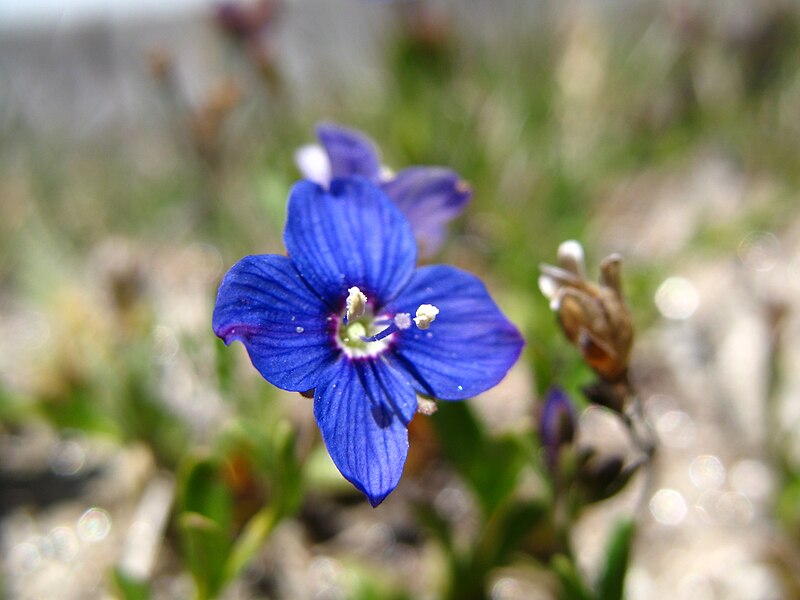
point(202, 491)
point(490, 466)
point(205, 523)
point(572, 586)
point(788, 504)
point(130, 588)
point(78, 408)
point(206, 548)
point(506, 530)
point(250, 541)
point(612, 579)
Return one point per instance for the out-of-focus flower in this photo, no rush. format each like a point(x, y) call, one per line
point(557, 422)
point(593, 317)
point(430, 197)
point(250, 24)
point(336, 317)
point(243, 21)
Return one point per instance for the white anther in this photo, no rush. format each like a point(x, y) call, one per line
point(426, 314)
point(402, 320)
point(356, 303)
point(426, 406)
point(571, 258)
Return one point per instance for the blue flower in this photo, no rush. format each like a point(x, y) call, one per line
point(348, 315)
point(429, 197)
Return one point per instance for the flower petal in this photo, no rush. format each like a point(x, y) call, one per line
point(351, 235)
point(363, 410)
point(350, 152)
point(429, 197)
point(265, 304)
point(469, 347)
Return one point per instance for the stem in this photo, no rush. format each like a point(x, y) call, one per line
point(644, 437)
point(775, 315)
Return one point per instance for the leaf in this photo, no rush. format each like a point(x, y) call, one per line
point(205, 523)
point(130, 588)
point(202, 491)
point(612, 579)
point(490, 466)
point(510, 527)
point(206, 548)
point(572, 586)
point(250, 541)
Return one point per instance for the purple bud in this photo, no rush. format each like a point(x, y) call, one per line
point(557, 424)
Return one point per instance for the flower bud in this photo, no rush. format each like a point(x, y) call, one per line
point(595, 318)
point(600, 476)
point(557, 424)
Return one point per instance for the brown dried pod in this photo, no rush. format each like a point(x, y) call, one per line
point(595, 318)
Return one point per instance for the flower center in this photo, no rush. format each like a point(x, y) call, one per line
point(354, 335)
point(362, 334)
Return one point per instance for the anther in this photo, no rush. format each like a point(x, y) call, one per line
point(426, 314)
point(402, 320)
point(356, 304)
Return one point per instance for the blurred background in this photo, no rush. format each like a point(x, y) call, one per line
point(144, 150)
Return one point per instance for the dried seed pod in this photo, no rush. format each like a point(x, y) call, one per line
point(595, 318)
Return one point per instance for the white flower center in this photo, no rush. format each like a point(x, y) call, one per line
point(354, 335)
point(361, 334)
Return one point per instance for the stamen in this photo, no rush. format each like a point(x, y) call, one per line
point(402, 320)
point(426, 314)
point(356, 304)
